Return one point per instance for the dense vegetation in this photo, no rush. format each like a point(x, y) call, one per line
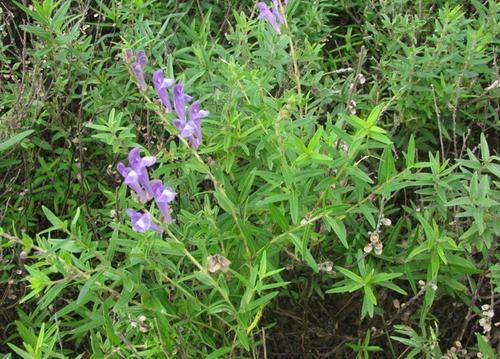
point(304, 179)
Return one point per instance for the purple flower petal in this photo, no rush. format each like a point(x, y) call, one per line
point(141, 222)
point(161, 85)
point(128, 55)
point(266, 14)
point(180, 100)
point(132, 180)
point(179, 124)
point(277, 12)
point(195, 116)
point(188, 130)
point(138, 68)
point(163, 196)
point(141, 58)
point(140, 165)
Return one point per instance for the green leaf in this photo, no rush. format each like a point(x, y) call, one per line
point(304, 251)
point(14, 140)
point(224, 201)
point(339, 229)
point(387, 167)
point(294, 207)
point(359, 174)
point(394, 287)
point(374, 115)
point(219, 353)
point(310, 260)
point(86, 287)
point(410, 152)
point(484, 347)
point(346, 288)
point(384, 277)
point(370, 295)
point(351, 275)
point(311, 147)
point(246, 185)
point(53, 219)
point(243, 338)
point(485, 151)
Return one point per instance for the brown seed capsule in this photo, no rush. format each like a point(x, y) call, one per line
point(368, 248)
point(386, 222)
point(326, 267)
point(218, 262)
point(374, 237)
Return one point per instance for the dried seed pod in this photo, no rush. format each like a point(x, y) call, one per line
point(326, 267)
point(386, 222)
point(368, 248)
point(218, 262)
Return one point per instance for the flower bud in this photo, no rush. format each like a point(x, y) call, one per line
point(386, 222)
point(368, 248)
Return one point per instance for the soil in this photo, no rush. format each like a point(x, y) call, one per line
point(322, 327)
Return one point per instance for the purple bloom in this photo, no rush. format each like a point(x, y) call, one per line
point(195, 116)
point(266, 14)
point(128, 55)
point(277, 12)
point(192, 129)
point(161, 85)
point(180, 100)
point(136, 176)
point(132, 180)
point(141, 222)
point(138, 68)
point(140, 165)
point(163, 196)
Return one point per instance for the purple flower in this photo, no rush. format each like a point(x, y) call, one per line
point(277, 12)
point(136, 176)
point(180, 101)
point(138, 68)
point(140, 165)
point(192, 129)
point(266, 14)
point(195, 116)
point(128, 55)
point(132, 180)
point(161, 85)
point(163, 196)
point(141, 222)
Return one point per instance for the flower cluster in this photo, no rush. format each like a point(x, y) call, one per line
point(455, 351)
point(273, 16)
point(137, 178)
point(375, 243)
point(218, 262)
point(487, 316)
point(189, 126)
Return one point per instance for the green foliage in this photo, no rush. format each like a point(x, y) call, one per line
point(363, 136)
